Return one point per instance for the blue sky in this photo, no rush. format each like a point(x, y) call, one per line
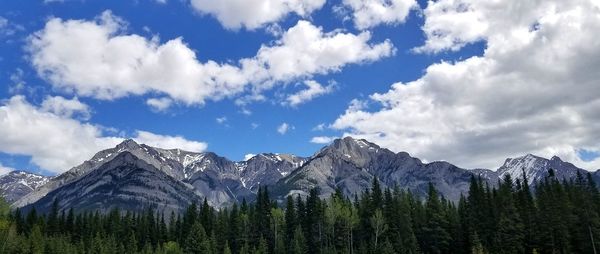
point(456, 115)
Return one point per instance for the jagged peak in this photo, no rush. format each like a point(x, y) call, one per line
point(351, 141)
point(528, 156)
point(22, 172)
point(277, 157)
point(128, 144)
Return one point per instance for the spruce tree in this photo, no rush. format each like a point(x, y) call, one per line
point(437, 237)
point(298, 245)
point(510, 234)
point(197, 241)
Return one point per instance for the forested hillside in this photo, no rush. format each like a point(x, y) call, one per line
point(558, 216)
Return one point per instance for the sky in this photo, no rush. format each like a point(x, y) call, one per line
point(466, 81)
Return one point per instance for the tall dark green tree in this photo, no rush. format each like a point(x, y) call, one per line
point(438, 239)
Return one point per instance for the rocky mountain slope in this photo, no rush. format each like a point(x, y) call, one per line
point(17, 184)
point(535, 168)
point(126, 182)
point(351, 164)
point(135, 176)
point(206, 175)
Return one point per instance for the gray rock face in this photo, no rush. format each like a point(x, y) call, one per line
point(536, 168)
point(207, 175)
point(17, 184)
point(267, 169)
point(351, 165)
point(133, 176)
point(126, 182)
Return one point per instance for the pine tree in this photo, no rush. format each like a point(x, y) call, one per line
point(290, 218)
point(197, 242)
point(53, 222)
point(510, 235)
point(437, 237)
point(226, 249)
point(297, 245)
point(36, 240)
point(262, 247)
point(376, 195)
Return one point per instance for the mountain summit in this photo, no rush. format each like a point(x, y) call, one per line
point(136, 176)
point(17, 184)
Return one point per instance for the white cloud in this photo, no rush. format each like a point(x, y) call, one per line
point(305, 50)
point(370, 13)
point(322, 139)
point(94, 58)
point(535, 89)
point(245, 111)
point(312, 91)
point(284, 128)
point(60, 106)
point(54, 142)
point(254, 125)
point(4, 169)
point(18, 82)
point(169, 142)
point(159, 104)
point(252, 14)
point(98, 59)
point(57, 142)
point(3, 24)
point(221, 120)
point(248, 156)
point(8, 28)
point(452, 24)
point(319, 127)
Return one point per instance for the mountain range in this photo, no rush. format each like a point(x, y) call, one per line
point(17, 184)
point(135, 176)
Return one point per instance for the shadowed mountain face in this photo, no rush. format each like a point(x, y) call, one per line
point(133, 176)
point(126, 182)
point(207, 175)
point(17, 184)
point(351, 165)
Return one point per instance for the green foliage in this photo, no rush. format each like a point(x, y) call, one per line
point(556, 217)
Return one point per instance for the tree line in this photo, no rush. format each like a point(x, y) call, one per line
point(557, 216)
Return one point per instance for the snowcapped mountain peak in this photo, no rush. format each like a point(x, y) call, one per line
point(16, 184)
point(536, 168)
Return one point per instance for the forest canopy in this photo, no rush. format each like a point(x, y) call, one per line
point(556, 216)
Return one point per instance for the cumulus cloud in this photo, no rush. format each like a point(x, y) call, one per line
point(159, 104)
point(313, 90)
point(56, 141)
point(534, 90)
point(319, 127)
point(322, 139)
point(4, 169)
point(451, 24)
point(68, 108)
point(252, 14)
point(248, 156)
point(284, 128)
point(370, 13)
point(221, 120)
point(96, 58)
point(169, 142)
